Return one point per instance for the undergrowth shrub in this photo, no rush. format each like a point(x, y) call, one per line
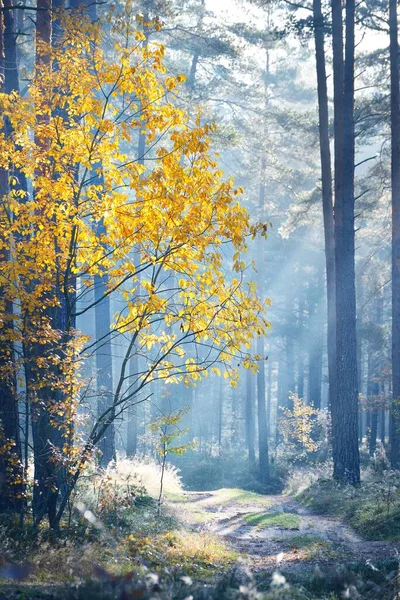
point(373, 508)
point(124, 485)
point(304, 433)
point(187, 553)
point(204, 472)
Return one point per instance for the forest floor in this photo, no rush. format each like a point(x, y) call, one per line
point(227, 544)
point(277, 533)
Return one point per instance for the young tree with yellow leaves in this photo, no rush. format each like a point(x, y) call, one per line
point(74, 138)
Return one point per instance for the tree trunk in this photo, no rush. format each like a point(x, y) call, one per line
point(220, 414)
point(316, 343)
point(345, 406)
point(11, 471)
point(282, 394)
point(327, 200)
point(374, 427)
point(235, 430)
point(315, 374)
point(191, 80)
point(47, 435)
point(372, 395)
point(395, 175)
point(104, 367)
point(291, 386)
point(360, 375)
point(262, 416)
point(249, 417)
point(301, 341)
point(132, 425)
point(269, 396)
point(132, 432)
point(382, 432)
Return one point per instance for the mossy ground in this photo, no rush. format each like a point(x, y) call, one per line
point(372, 511)
point(140, 553)
point(266, 520)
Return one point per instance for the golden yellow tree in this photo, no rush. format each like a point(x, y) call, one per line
point(168, 227)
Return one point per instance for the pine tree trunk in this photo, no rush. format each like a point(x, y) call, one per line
point(282, 394)
point(191, 79)
point(291, 385)
point(234, 415)
point(382, 429)
point(316, 343)
point(47, 436)
point(301, 340)
point(345, 406)
point(269, 396)
point(262, 416)
point(11, 470)
point(249, 417)
point(395, 175)
point(374, 431)
point(327, 199)
point(220, 414)
point(315, 374)
point(132, 425)
point(104, 366)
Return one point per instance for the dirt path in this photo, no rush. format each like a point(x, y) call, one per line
point(276, 530)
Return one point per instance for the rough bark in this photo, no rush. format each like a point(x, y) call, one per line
point(372, 395)
point(327, 197)
point(345, 405)
point(11, 472)
point(104, 367)
point(395, 175)
point(316, 343)
point(47, 426)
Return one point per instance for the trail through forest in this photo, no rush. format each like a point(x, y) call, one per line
point(277, 533)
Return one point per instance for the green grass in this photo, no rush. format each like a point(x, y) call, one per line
point(266, 520)
point(237, 496)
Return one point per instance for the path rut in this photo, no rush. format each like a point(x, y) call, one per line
point(277, 530)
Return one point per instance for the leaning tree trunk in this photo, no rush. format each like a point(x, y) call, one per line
point(345, 408)
point(395, 173)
